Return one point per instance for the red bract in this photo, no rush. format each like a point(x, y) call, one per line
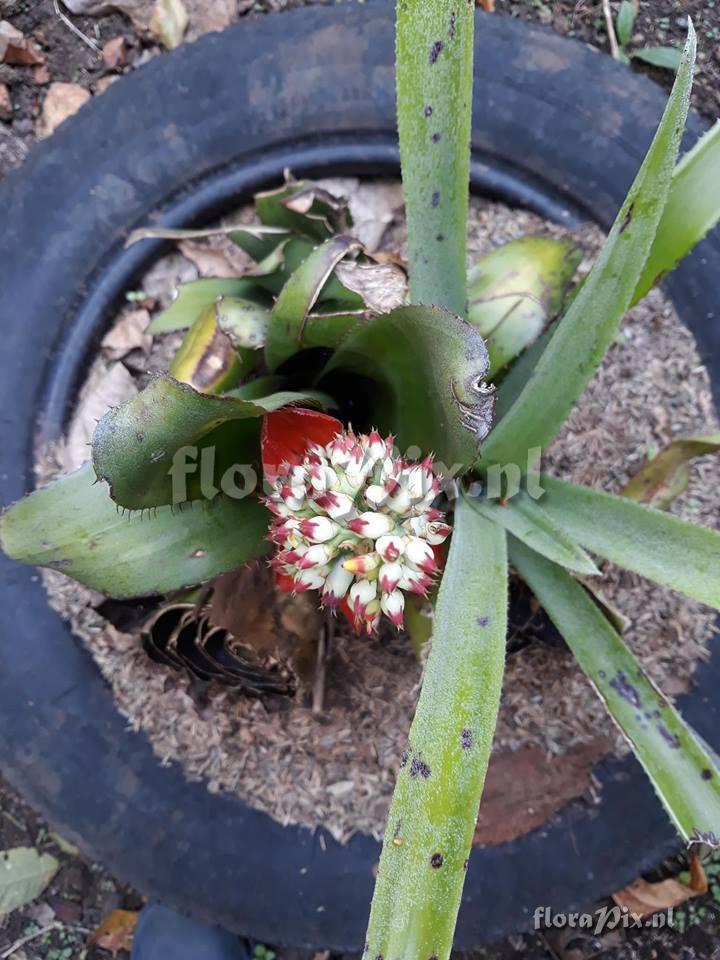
point(286, 434)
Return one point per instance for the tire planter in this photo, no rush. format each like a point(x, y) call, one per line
point(558, 129)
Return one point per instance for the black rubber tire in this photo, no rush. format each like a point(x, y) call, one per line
point(556, 127)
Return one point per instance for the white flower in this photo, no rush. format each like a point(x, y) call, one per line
point(327, 540)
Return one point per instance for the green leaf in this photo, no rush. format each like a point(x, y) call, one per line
point(299, 295)
point(667, 58)
point(141, 448)
point(427, 366)
point(625, 22)
point(681, 770)
point(526, 519)
point(192, 298)
point(667, 475)
point(206, 359)
point(305, 209)
point(692, 210)
point(434, 58)
point(432, 816)
point(516, 290)
point(24, 874)
point(656, 545)
point(74, 526)
point(585, 332)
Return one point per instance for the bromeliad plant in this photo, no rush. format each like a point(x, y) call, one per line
point(361, 517)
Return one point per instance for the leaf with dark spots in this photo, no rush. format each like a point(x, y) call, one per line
point(673, 756)
point(131, 556)
point(586, 331)
point(435, 51)
point(428, 366)
point(210, 436)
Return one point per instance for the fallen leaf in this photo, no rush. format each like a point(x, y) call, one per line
point(24, 874)
point(667, 475)
point(61, 101)
point(374, 206)
point(127, 334)
point(139, 11)
point(168, 22)
point(114, 53)
point(209, 17)
point(116, 932)
point(644, 899)
point(487, 5)
point(69, 848)
point(6, 107)
point(41, 74)
point(211, 261)
point(525, 788)
point(16, 49)
point(103, 83)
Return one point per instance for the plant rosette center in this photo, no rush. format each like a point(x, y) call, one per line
point(352, 519)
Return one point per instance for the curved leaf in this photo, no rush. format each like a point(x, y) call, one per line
point(656, 545)
point(585, 332)
point(305, 209)
point(74, 526)
point(516, 290)
point(667, 475)
point(681, 769)
point(428, 366)
point(299, 295)
point(667, 58)
point(150, 450)
point(526, 519)
point(192, 298)
point(206, 359)
point(692, 210)
point(433, 811)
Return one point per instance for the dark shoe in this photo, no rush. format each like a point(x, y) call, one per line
point(163, 935)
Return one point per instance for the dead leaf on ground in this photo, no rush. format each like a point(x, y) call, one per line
point(114, 53)
point(24, 874)
point(139, 11)
point(525, 788)
point(209, 17)
point(644, 899)
point(668, 474)
point(104, 82)
point(487, 5)
point(374, 206)
point(211, 261)
point(116, 932)
point(6, 107)
point(41, 74)
point(128, 334)
point(16, 49)
point(168, 22)
point(61, 101)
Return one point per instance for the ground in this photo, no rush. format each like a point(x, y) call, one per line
point(82, 893)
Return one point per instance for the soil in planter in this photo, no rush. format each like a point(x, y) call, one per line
point(336, 768)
